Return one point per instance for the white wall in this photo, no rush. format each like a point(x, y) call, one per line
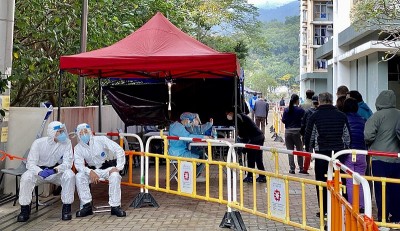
point(341, 21)
point(377, 73)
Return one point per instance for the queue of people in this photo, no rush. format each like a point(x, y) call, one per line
point(326, 128)
point(351, 124)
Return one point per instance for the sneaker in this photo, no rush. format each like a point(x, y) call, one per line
point(261, 179)
point(200, 179)
point(303, 172)
point(248, 179)
point(292, 172)
point(384, 229)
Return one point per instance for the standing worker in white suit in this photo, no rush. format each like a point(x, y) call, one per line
point(104, 159)
point(49, 161)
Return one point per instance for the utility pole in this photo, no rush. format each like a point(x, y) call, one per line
point(81, 79)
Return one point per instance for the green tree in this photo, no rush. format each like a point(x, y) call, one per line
point(274, 55)
point(379, 14)
point(47, 29)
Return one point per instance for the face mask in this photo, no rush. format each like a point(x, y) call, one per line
point(188, 124)
point(229, 117)
point(85, 138)
point(62, 137)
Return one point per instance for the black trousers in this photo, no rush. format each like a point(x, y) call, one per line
point(255, 157)
point(321, 169)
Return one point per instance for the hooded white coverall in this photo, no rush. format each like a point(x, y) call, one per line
point(95, 154)
point(45, 152)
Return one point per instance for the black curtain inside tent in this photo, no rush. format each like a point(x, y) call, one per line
point(141, 103)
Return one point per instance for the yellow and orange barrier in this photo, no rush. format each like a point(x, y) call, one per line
point(232, 192)
point(278, 126)
point(346, 216)
point(351, 175)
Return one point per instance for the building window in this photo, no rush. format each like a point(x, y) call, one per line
point(304, 16)
point(304, 60)
point(320, 34)
point(321, 12)
point(304, 35)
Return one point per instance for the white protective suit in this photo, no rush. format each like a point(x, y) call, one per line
point(45, 152)
point(99, 150)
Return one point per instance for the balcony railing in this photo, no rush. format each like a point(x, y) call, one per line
point(321, 64)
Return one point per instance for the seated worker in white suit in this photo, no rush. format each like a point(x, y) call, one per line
point(98, 153)
point(49, 161)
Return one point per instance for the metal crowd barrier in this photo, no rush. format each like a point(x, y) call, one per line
point(186, 185)
point(350, 175)
point(341, 215)
point(142, 197)
point(278, 128)
point(277, 184)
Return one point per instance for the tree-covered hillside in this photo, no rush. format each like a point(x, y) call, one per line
point(279, 13)
point(274, 57)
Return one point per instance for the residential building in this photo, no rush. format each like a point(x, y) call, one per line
point(353, 57)
point(316, 30)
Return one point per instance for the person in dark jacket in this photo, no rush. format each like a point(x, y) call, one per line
point(282, 102)
point(363, 110)
point(304, 121)
point(327, 131)
point(359, 165)
point(249, 133)
point(261, 108)
point(291, 117)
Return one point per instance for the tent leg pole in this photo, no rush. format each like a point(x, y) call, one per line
point(100, 101)
point(59, 96)
point(236, 104)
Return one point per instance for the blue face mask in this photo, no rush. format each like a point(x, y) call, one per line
point(62, 137)
point(188, 125)
point(85, 138)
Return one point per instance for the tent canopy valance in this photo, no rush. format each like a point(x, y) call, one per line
point(156, 50)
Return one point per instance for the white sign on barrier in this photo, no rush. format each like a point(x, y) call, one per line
point(277, 194)
point(186, 171)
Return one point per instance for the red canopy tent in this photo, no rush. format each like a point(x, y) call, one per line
point(157, 49)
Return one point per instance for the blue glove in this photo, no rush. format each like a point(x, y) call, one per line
point(46, 173)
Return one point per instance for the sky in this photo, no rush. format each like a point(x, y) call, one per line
point(274, 2)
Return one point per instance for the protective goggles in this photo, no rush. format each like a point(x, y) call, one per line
point(82, 127)
point(58, 127)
